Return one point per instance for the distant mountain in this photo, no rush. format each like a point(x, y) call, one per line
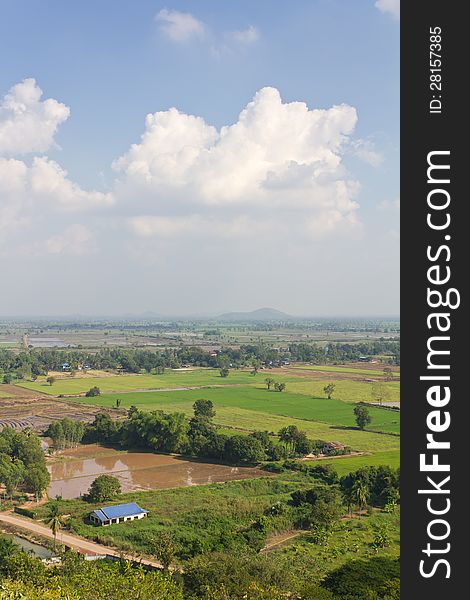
point(261, 314)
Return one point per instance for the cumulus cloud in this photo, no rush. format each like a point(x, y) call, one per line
point(391, 7)
point(280, 162)
point(27, 123)
point(49, 182)
point(180, 26)
point(35, 198)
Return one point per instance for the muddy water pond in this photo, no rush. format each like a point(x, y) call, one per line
point(74, 470)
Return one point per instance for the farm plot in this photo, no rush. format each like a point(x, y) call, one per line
point(345, 369)
point(123, 383)
point(345, 390)
point(287, 404)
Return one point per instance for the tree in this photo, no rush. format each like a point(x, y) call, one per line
point(163, 548)
point(380, 392)
point(55, 520)
point(388, 374)
point(12, 474)
point(256, 365)
point(204, 408)
point(7, 378)
point(50, 380)
point(118, 402)
point(244, 449)
point(289, 435)
point(360, 493)
point(94, 391)
point(37, 479)
point(279, 387)
point(329, 389)
point(104, 487)
point(224, 372)
point(269, 381)
point(363, 417)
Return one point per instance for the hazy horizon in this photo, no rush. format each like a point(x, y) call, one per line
point(198, 159)
point(200, 316)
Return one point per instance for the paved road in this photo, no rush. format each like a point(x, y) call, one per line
point(77, 543)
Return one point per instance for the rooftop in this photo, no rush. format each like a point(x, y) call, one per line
point(120, 510)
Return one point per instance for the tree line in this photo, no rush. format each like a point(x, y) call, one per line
point(39, 361)
point(22, 463)
point(160, 431)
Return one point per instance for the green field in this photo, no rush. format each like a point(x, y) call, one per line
point(123, 383)
point(210, 516)
point(343, 466)
point(339, 369)
point(298, 406)
point(345, 390)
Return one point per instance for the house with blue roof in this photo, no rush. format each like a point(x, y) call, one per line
point(120, 513)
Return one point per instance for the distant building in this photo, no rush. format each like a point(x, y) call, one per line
point(331, 447)
point(65, 366)
point(117, 514)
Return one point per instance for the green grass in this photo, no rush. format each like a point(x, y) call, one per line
point(287, 404)
point(123, 383)
point(339, 369)
point(350, 540)
point(343, 466)
point(203, 513)
point(207, 515)
point(347, 391)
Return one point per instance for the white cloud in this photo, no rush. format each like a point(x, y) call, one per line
point(27, 123)
point(35, 199)
point(246, 36)
point(366, 151)
point(280, 163)
point(38, 196)
point(180, 26)
point(392, 7)
point(75, 240)
point(48, 182)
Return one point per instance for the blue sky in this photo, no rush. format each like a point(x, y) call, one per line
point(114, 62)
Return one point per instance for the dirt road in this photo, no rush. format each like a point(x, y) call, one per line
point(72, 541)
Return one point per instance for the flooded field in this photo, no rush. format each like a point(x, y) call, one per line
point(46, 342)
point(29, 547)
point(72, 476)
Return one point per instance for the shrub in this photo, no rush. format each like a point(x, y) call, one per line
point(104, 487)
point(94, 391)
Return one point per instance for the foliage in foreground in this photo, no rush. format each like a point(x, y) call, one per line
point(216, 577)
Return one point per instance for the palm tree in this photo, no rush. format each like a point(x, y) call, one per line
point(269, 381)
point(55, 521)
point(360, 493)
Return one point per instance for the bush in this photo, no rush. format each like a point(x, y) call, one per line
point(94, 391)
point(26, 512)
point(104, 487)
point(361, 579)
point(273, 467)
